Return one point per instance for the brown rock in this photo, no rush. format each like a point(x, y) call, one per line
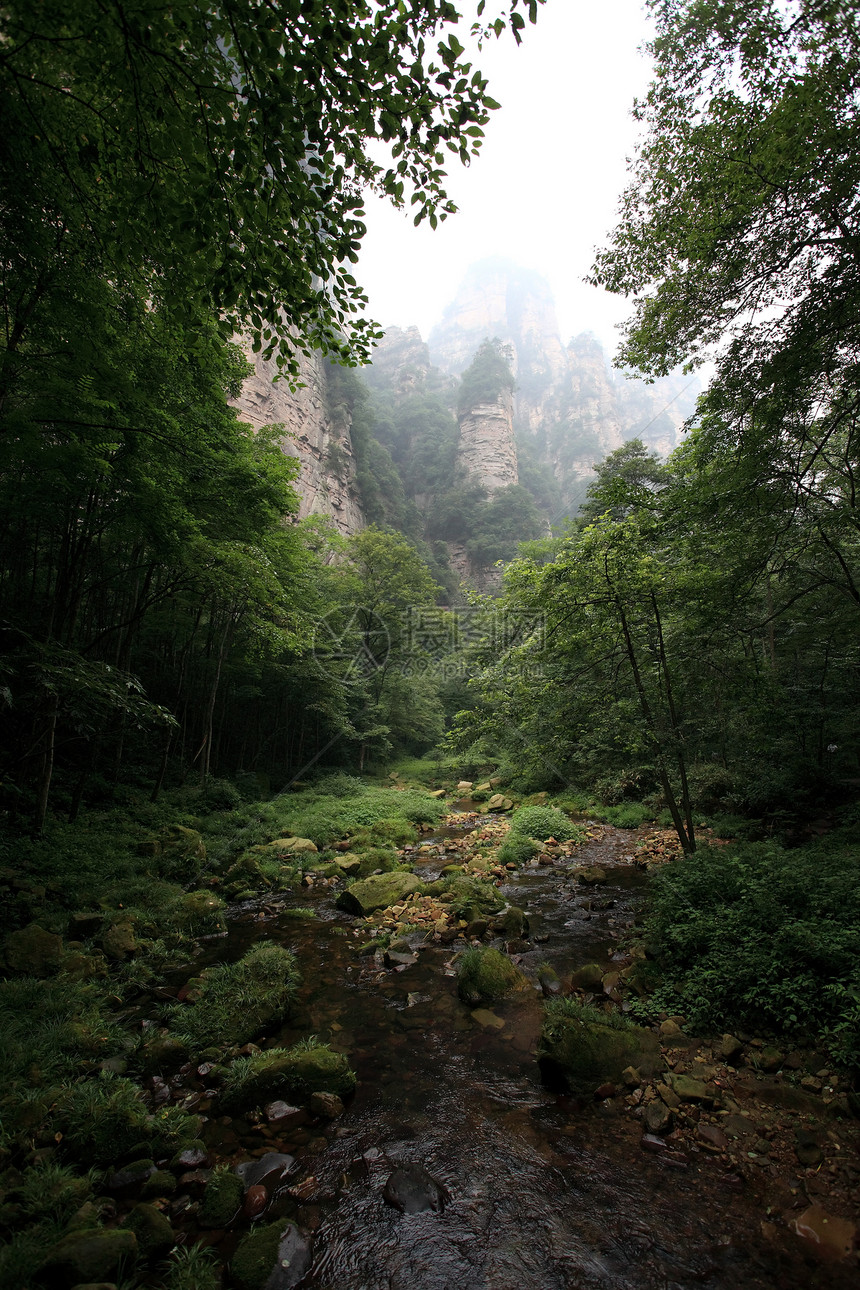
point(256, 1201)
point(711, 1137)
point(832, 1235)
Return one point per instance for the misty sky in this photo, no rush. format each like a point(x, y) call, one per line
point(544, 191)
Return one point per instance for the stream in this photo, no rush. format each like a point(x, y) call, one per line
point(543, 1193)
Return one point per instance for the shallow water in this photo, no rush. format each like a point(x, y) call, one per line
point(544, 1194)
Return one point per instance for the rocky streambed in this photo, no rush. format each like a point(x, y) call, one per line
point(455, 1163)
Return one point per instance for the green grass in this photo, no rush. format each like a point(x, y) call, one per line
point(544, 822)
point(517, 848)
point(238, 1000)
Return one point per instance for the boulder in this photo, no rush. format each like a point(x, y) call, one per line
point(292, 846)
point(87, 1256)
point(413, 1191)
point(498, 802)
point(688, 1089)
point(588, 977)
point(591, 875)
point(296, 1072)
point(439, 792)
point(578, 1054)
point(118, 940)
point(276, 1257)
point(154, 1234)
point(377, 892)
point(485, 974)
point(222, 1199)
point(33, 951)
point(327, 1105)
point(465, 786)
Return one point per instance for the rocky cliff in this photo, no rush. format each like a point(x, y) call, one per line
point(316, 430)
point(487, 449)
point(570, 402)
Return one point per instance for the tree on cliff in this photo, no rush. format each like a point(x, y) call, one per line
point(215, 154)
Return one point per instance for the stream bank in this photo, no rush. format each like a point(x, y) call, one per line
point(634, 1188)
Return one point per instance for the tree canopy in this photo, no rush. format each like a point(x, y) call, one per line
point(216, 155)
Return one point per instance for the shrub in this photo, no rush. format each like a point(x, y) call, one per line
point(486, 973)
point(629, 815)
point(239, 1000)
point(543, 822)
point(220, 795)
point(517, 848)
point(753, 935)
point(339, 784)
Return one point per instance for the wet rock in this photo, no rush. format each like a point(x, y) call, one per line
point(590, 875)
point(273, 1170)
point(512, 923)
point(194, 1157)
point(658, 1118)
point(276, 1257)
point(807, 1149)
point(377, 892)
point(195, 1181)
point(589, 977)
point(222, 1199)
point(476, 930)
point(327, 1105)
point(392, 958)
point(711, 1137)
point(649, 1142)
point(128, 1181)
point(834, 1236)
point(285, 1115)
point(549, 981)
point(87, 1256)
point(153, 1231)
point(484, 1017)
point(413, 1191)
point(33, 951)
point(256, 1201)
point(485, 974)
point(631, 1077)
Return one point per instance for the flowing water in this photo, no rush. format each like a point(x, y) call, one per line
point(542, 1193)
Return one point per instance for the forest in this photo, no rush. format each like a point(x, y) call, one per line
point(213, 710)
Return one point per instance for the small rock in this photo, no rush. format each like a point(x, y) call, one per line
point(807, 1149)
point(729, 1047)
point(285, 1116)
point(127, 1181)
point(648, 1142)
point(118, 940)
point(465, 786)
point(658, 1118)
point(604, 1091)
point(256, 1201)
point(688, 1089)
point(770, 1059)
point(591, 875)
point(327, 1105)
point(487, 1019)
point(711, 1137)
point(196, 1157)
point(631, 1077)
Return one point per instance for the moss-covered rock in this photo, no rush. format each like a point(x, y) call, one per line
point(89, 1255)
point(179, 852)
point(587, 977)
point(222, 1198)
point(377, 892)
point(154, 1234)
point(485, 974)
point(239, 1000)
point(581, 1048)
point(289, 846)
point(199, 912)
point(287, 1072)
point(278, 1245)
point(118, 939)
point(33, 951)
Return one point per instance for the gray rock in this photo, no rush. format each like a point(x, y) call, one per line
point(412, 1190)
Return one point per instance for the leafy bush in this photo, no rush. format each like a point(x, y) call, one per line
point(629, 815)
point(757, 936)
point(239, 1000)
point(543, 822)
point(517, 848)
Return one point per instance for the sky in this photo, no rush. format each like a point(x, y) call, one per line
point(544, 190)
